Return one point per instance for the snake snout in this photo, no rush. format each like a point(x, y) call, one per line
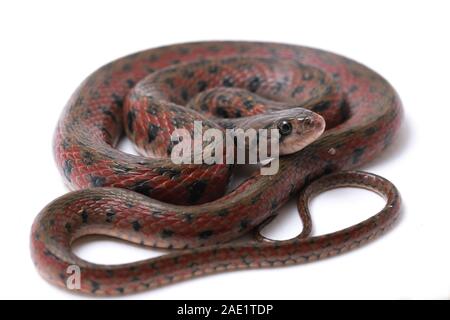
point(316, 122)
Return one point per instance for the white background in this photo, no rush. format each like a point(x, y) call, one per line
point(49, 47)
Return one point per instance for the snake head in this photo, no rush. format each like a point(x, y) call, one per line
point(297, 127)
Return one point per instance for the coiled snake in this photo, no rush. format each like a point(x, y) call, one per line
point(154, 202)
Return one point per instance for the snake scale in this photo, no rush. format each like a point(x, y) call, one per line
point(149, 200)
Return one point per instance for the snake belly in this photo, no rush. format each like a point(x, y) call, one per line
point(127, 196)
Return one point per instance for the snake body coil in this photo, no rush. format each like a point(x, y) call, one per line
point(154, 202)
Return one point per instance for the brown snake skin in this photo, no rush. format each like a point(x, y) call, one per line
point(185, 206)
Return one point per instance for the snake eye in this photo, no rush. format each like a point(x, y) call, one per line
point(284, 127)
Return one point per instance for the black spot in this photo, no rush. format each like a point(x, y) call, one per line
point(142, 187)
point(152, 110)
point(131, 117)
point(205, 234)
point(153, 58)
point(353, 88)
point(357, 153)
point(278, 87)
point(68, 227)
point(321, 106)
point(243, 225)
point(87, 114)
point(166, 233)
point(129, 204)
point(94, 94)
point(370, 131)
point(213, 48)
point(84, 216)
point(183, 50)
point(292, 191)
point(79, 101)
point(95, 286)
point(255, 199)
point(344, 110)
point(118, 101)
point(188, 74)
point(65, 144)
point(136, 225)
point(48, 253)
point(388, 140)
point(223, 100)
point(178, 122)
point(127, 67)
point(152, 132)
point(97, 181)
point(130, 83)
point(329, 168)
point(88, 158)
point(297, 90)
point(67, 168)
point(228, 82)
point(170, 147)
point(221, 112)
point(110, 215)
point(204, 107)
point(188, 217)
point(249, 104)
point(254, 84)
point(184, 94)
point(274, 205)
point(170, 82)
point(110, 114)
point(201, 85)
point(228, 125)
point(120, 290)
point(213, 69)
point(196, 190)
point(245, 260)
point(322, 81)
point(223, 213)
point(168, 172)
point(120, 168)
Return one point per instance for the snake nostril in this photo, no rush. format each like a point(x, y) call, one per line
point(307, 122)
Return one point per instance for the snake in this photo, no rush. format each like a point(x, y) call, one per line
point(333, 115)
